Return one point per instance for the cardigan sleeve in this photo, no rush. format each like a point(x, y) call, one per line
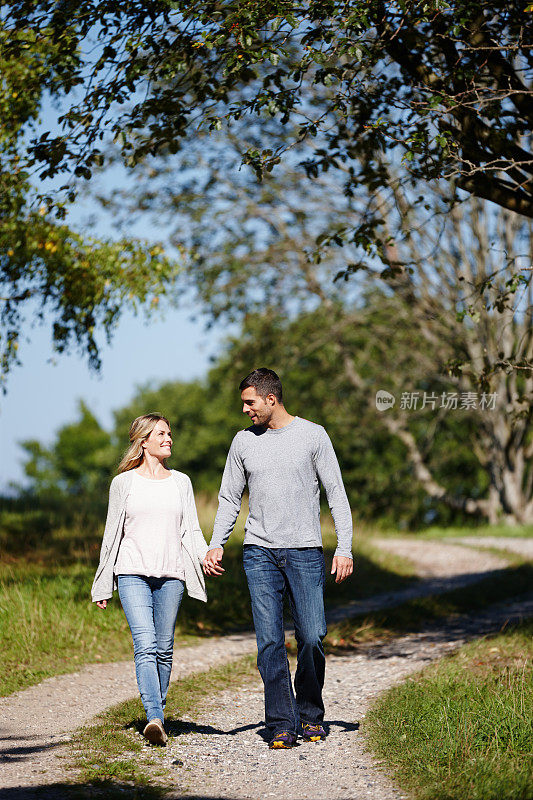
point(113, 513)
point(201, 545)
point(109, 538)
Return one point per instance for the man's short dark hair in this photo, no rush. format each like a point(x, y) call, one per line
point(265, 382)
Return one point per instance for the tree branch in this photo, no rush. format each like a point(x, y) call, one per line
point(498, 191)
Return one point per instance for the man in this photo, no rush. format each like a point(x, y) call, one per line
point(282, 458)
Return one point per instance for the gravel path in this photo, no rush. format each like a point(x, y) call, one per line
point(514, 544)
point(441, 558)
point(441, 565)
point(223, 750)
point(37, 722)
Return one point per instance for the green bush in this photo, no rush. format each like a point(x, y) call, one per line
point(24, 530)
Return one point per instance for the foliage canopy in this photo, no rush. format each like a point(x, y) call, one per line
point(448, 83)
point(82, 283)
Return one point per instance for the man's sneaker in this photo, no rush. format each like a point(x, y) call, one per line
point(282, 741)
point(155, 733)
point(312, 733)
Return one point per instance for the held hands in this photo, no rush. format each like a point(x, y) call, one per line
point(102, 604)
point(211, 563)
point(343, 566)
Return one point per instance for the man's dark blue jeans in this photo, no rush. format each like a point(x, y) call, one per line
point(300, 572)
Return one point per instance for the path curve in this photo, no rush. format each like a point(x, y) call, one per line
point(521, 546)
point(37, 722)
point(224, 747)
point(442, 565)
point(440, 558)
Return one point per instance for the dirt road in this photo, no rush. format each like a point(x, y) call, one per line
point(37, 722)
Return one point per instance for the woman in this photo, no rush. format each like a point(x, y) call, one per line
point(152, 549)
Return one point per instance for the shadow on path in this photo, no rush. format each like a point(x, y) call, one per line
point(182, 728)
point(424, 587)
point(18, 753)
point(453, 631)
point(104, 791)
point(179, 728)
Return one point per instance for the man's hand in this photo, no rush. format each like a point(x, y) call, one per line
point(343, 566)
point(102, 604)
point(211, 562)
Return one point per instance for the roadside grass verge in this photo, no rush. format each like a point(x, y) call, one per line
point(48, 625)
point(375, 570)
point(519, 531)
point(462, 729)
point(410, 616)
point(111, 754)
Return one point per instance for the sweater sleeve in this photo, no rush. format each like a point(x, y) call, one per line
point(229, 497)
point(329, 473)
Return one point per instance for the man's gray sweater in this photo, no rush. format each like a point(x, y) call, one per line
point(283, 468)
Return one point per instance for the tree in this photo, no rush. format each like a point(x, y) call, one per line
point(73, 473)
point(71, 476)
point(81, 283)
point(443, 87)
point(79, 463)
point(462, 321)
point(76, 468)
point(388, 97)
point(82, 459)
point(375, 463)
point(203, 415)
point(446, 83)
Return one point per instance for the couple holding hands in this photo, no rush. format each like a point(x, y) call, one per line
point(153, 549)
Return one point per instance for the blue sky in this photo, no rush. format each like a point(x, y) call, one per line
point(43, 395)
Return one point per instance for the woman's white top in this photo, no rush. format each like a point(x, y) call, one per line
point(151, 544)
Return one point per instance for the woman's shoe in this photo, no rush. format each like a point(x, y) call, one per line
point(155, 733)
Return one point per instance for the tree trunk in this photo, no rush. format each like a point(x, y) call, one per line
point(510, 489)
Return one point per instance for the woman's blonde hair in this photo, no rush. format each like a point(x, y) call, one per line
point(140, 430)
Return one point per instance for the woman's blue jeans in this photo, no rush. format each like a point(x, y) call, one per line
point(299, 572)
point(151, 607)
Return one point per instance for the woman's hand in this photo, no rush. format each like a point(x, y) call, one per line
point(211, 562)
point(102, 604)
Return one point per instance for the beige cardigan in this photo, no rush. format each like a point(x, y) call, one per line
point(193, 543)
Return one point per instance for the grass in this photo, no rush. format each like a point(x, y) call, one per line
point(110, 753)
point(462, 729)
point(410, 616)
point(432, 532)
point(48, 625)
point(376, 571)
